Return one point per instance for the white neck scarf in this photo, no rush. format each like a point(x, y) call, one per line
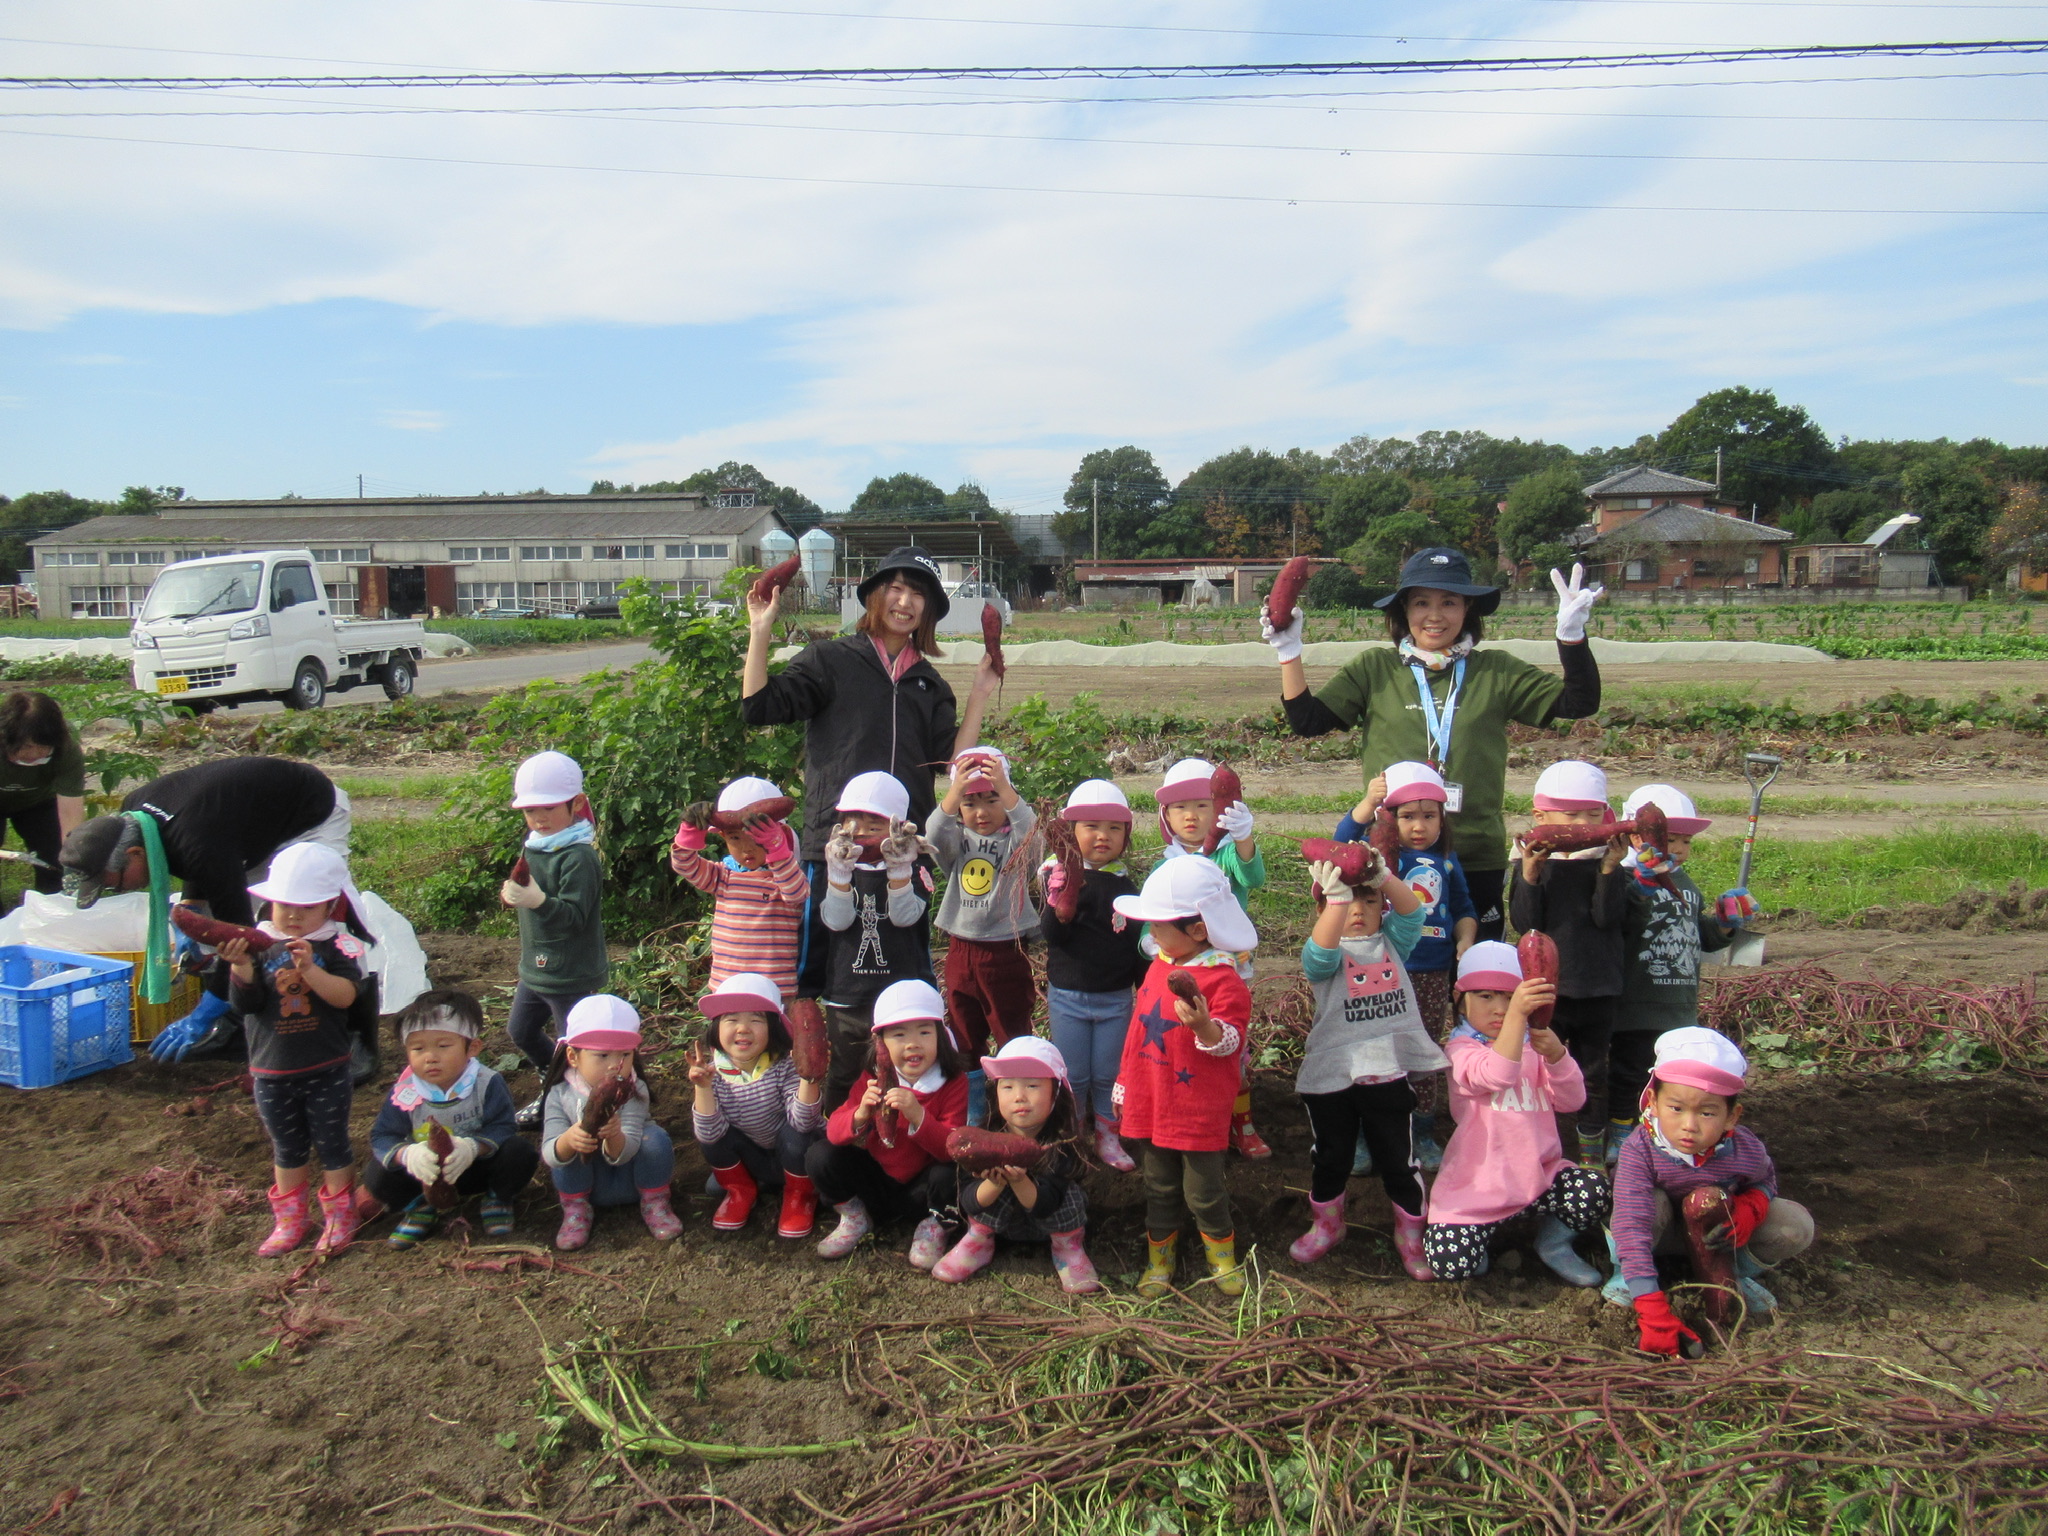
point(1435, 661)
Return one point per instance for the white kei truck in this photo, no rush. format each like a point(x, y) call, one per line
point(236, 629)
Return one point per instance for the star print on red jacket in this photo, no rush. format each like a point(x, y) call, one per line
point(1175, 1094)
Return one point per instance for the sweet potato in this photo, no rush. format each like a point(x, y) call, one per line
point(885, 1079)
point(213, 932)
point(1386, 836)
point(809, 1049)
point(992, 635)
point(605, 1101)
point(1355, 861)
point(776, 809)
point(977, 1150)
point(1572, 836)
point(1286, 594)
point(1654, 827)
point(768, 585)
point(1225, 789)
point(1538, 954)
point(1182, 984)
point(441, 1194)
point(522, 872)
point(1060, 844)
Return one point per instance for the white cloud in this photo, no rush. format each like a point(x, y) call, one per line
point(413, 421)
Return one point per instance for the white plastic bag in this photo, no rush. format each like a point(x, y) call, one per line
point(396, 959)
point(114, 925)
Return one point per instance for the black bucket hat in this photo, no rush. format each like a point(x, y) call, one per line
point(917, 564)
point(1443, 570)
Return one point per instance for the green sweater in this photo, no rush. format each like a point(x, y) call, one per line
point(561, 941)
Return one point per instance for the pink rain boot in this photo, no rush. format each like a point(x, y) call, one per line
point(577, 1216)
point(338, 1212)
point(1076, 1269)
point(660, 1217)
point(928, 1243)
point(1110, 1148)
point(1408, 1243)
point(969, 1256)
point(1324, 1233)
point(288, 1211)
point(854, 1224)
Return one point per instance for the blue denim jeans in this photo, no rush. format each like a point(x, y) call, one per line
point(1088, 1030)
point(621, 1184)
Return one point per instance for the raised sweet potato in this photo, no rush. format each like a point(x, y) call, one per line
point(1538, 954)
point(775, 809)
point(1286, 594)
point(768, 585)
point(1060, 845)
point(1225, 789)
point(809, 1049)
point(1573, 836)
point(441, 1194)
point(1356, 862)
point(992, 635)
point(977, 1150)
point(1385, 836)
point(213, 932)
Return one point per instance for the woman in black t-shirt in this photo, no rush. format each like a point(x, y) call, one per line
point(42, 779)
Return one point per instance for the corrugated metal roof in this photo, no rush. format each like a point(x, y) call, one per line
point(1673, 523)
point(1639, 480)
point(556, 519)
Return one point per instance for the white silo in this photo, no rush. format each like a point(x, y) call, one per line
point(818, 556)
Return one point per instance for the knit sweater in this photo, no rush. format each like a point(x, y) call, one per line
point(1738, 1163)
point(1505, 1151)
point(756, 916)
point(756, 1108)
point(945, 1111)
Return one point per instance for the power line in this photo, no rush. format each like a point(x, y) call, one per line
point(440, 80)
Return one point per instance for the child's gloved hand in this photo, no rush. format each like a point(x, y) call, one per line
point(515, 894)
point(772, 837)
point(1737, 906)
point(1329, 881)
point(1574, 601)
point(1055, 882)
point(458, 1158)
point(418, 1159)
point(1236, 821)
point(1746, 1209)
point(1658, 1330)
point(1286, 642)
point(841, 854)
point(899, 849)
point(696, 821)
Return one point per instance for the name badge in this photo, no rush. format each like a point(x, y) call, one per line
point(1454, 797)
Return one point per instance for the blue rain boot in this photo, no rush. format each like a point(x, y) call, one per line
point(1616, 1291)
point(1554, 1248)
point(977, 1098)
point(1428, 1155)
point(205, 1031)
point(1759, 1301)
point(1361, 1160)
point(1618, 1131)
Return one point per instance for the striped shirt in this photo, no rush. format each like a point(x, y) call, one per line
point(1738, 1163)
point(756, 916)
point(757, 1108)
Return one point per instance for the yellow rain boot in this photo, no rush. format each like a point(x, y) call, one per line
point(1157, 1281)
point(1224, 1269)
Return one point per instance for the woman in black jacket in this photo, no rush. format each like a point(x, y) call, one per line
point(872, 701)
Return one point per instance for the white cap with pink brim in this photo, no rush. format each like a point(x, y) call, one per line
point(602, 1022)
point(1489, 966)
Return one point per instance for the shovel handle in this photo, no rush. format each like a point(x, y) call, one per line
point(1751, 763)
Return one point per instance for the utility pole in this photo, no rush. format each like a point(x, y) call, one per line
point(1095, 493)
point(359, 487)
point(1717, 471)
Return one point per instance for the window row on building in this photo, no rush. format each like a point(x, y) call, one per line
point(550, 596)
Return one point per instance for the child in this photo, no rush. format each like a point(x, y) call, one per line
point(868, 1172)
point(1693, 1152)
point(441, 1033)
point(757, 891)
point(1416, 795)
point(982, 834)
point(1579, 899)
point(561, 931)
point(1183, 1063)
point(754, 1117)
point(1507, 1080)
point(1188, 814)
point(629, 1158)
point(877, 915)
point(1092, 960)
point(1367, 1038)
point(1664, 929)
point(295, 1004)
point(1046, 1203)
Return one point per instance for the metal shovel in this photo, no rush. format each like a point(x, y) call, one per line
point(1747, 947)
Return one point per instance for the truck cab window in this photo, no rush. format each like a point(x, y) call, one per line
point(291, 585)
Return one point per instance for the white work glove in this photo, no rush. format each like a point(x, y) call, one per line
point(1332, 885)
point(459, 1157)
point(516, 895)
point(841, 854)
point(1236, 821)
point(1286, 642)
point(1574, 601)
point(417, 1159)
point(899, 850)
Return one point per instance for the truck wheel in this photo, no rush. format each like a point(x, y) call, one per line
point(398, 677)
point(308, 689)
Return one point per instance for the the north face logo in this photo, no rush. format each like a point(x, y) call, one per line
point(1439, 559)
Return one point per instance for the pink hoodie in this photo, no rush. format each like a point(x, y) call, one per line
point(1505, 1151)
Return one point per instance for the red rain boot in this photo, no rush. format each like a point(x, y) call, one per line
point(799, 1207)
point(338, 1212)
point(740, 1194)
point(1246, 1140)
point(291, 1224)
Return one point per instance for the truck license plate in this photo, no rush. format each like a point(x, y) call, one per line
point(173, 685)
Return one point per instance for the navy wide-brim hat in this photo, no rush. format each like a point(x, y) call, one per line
point(917, 564)
point(1444, 570)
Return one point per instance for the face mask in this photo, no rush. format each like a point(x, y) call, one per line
point(33, 762)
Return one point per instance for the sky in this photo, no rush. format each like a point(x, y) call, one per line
point(248, 292)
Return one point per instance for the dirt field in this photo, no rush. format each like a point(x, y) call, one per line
point(410, 1382)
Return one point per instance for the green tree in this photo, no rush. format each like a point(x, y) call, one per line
point(1258, 502)
point(39, 512)
point(1357, 501)
point(1139, 516)
point(970, 503)
point(1836, 516)
point(1392, 540)
point(1957, 506)
point(903, 492)
point(1773, 453)
point(1541, 509)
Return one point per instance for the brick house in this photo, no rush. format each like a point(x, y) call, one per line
point(1653, 529)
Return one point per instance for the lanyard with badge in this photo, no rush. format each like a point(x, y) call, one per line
point(1438, 729)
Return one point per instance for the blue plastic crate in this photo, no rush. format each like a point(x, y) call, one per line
point(61, 1015)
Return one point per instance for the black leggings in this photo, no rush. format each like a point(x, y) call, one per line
point(36, 826)
point(305, 1112)
point(1586, 1026)
point(844, 1173)
point(531, 1014)
point(1630, 1056)
point(503, 1175)
point(1485, 886)
point(1383, 1112)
